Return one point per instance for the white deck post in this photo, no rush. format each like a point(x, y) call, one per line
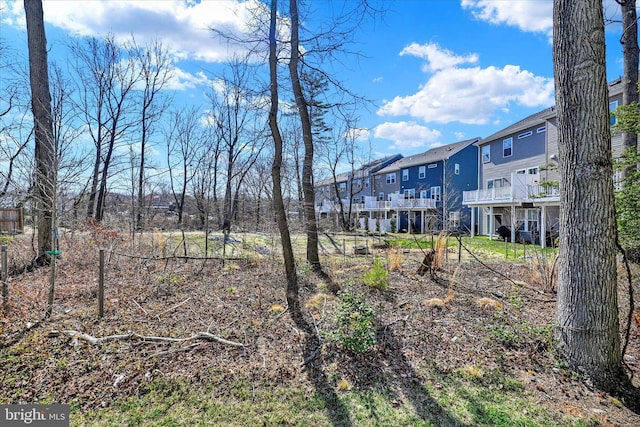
point(543, 226)
point(491, 231)
point(514, 222)
point(473, 220)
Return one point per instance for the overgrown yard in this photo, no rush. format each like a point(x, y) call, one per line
point(470, 346)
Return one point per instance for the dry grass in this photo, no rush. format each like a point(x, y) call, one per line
point(489, 303)
point(395, 258)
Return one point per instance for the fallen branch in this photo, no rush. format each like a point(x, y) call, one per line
point(96, 341)
point(210, 337)
point(177, 350)
point(174, 307)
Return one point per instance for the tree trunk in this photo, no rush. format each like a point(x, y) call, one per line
point(45, 150)
point(629, 42)
point(102, 189)
point(587, 312)
point(293, 300)
point(313, 256)
point(140, 204)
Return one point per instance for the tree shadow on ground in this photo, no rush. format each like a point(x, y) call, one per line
point(386, 369)
point(314, 366)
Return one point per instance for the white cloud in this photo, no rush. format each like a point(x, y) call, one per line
point(357, 134)
point(530, 16)
point(183, 26)
point(436, 57)
point(406, 135)
point(468, 95)
point(182, 80)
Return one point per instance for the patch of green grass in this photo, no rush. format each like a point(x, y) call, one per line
point(492, 399)
point(486, 248)
point(239, 403)
point(523, 336)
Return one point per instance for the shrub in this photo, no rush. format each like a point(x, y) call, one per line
point(354, 323)
point(377, 277)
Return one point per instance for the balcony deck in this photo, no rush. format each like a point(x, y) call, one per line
point(507, 194)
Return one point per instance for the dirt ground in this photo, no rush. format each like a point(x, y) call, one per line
point(241, 301)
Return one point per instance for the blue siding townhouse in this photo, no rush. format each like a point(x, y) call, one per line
point(519, 189)
point(424, 192)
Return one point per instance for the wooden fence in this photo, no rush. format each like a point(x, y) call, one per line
point(11, 220)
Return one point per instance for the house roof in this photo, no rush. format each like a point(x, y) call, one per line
point(436, 154)
point(535, 119)
point(615, 88)
point(363, 171)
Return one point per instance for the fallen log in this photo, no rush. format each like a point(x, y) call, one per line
point(97, 341)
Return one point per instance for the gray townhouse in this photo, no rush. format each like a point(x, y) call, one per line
point(348, 190)
point(518, 183)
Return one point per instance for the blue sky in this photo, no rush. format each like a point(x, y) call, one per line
point(438, 71)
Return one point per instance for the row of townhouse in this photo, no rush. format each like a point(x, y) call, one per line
point(506, 184)
point(418, 193)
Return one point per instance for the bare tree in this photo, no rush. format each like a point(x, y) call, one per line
point(311, 226)
point(16, 139)
point(257, 186)
point(45, 149)
point(587, 332)
point(292, 290)
point(70, 156)
point(184, 138)
point(125, 77)
point(238, 124)
point(106, 77)
point(205, 178)
point(155, 72)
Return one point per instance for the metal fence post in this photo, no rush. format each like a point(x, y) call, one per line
point(101, 286)
point(4, 279)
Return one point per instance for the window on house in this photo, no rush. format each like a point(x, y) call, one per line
point(410, 193)
point(456, 169)
point(521, 172)
point(367, 182)
point(495, 183)
point(405, 174)
point(433, 165)
point(612, 107)
point(391, 178)
point(532, 171)
point(507, 147)
point(525, 134)
point(422, 172)
point(486, 154)
point(435, 193)
point(343, 186)
point(454, 219)
point(541, 129)
point(617, 181)
point(424, 194)
point(381, 196)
